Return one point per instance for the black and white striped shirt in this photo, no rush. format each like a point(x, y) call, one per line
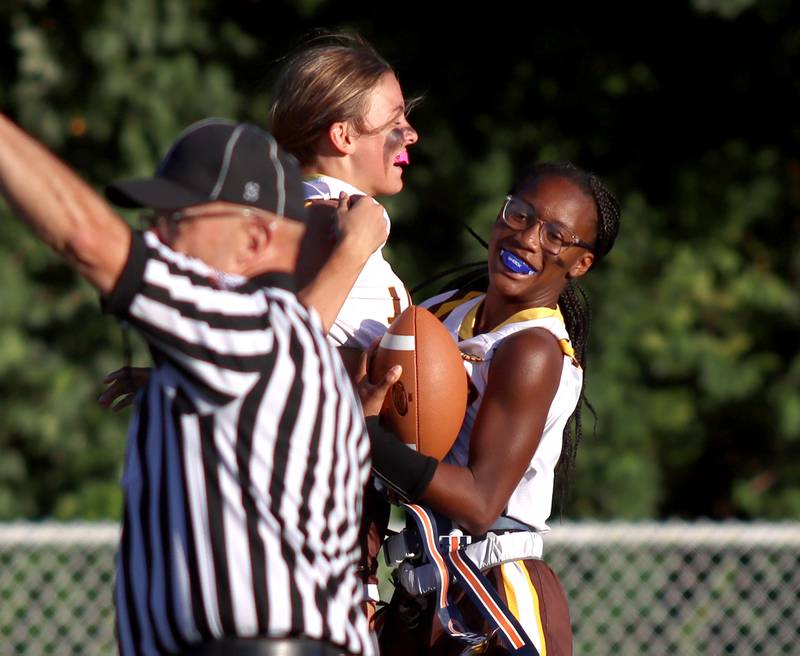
point(244, 469)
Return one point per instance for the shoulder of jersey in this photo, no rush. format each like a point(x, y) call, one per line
point(316, 189)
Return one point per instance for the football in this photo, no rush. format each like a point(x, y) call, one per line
point(426, 407)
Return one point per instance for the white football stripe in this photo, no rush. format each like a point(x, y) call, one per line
point(398, 342)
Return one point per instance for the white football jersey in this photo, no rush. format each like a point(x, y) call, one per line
point(377, 296)
point(531, 501)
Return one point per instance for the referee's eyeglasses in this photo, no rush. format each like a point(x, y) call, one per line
point(519, 215)
point(166, 223)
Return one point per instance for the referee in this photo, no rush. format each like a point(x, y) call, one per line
point(247, 454)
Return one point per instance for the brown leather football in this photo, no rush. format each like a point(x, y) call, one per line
point(426, 407)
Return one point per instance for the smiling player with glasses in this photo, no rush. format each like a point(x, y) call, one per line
point(522, 332)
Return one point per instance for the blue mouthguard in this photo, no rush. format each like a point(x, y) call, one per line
point(515, 264)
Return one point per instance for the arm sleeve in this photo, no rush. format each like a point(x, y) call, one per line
point(119, 300)
point(401, 469)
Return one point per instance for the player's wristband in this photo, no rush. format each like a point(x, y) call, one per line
point(401, 469)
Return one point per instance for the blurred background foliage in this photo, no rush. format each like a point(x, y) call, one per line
point(688, 109)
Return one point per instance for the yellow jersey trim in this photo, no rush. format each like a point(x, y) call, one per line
point(448, 306)
point(467, 328)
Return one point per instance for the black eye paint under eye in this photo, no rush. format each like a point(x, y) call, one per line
point(394, 140)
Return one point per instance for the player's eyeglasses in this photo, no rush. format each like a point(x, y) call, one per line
point(519, 215)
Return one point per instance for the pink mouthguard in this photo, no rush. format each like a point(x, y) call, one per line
point(402, 158)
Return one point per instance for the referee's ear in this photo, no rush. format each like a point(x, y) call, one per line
point(258, 233)
point(270, 244)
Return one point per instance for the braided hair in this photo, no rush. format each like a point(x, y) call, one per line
point(573, 301)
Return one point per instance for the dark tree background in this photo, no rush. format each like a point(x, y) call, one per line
point(689, 110)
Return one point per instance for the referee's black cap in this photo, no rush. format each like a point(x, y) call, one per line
point(217, 159)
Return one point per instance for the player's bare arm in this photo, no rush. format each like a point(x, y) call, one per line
point(372, 395)
point(523, 380)
point(61, 209)
point(360, 231)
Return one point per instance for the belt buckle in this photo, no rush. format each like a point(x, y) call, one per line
point(455, 540)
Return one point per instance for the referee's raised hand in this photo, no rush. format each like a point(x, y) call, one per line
point(360, 224)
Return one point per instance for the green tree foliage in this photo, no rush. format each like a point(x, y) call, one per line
point(108, 85)
point(688, 110)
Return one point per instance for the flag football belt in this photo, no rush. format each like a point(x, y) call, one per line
point(452, 557)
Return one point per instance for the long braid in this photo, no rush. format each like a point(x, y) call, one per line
point(573, 302)
point(577, 312)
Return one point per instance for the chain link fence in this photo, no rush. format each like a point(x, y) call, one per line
point(56, 589)
point(678, 588)
point(675, 588)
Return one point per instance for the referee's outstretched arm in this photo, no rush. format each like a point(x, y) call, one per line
point(61, 209)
